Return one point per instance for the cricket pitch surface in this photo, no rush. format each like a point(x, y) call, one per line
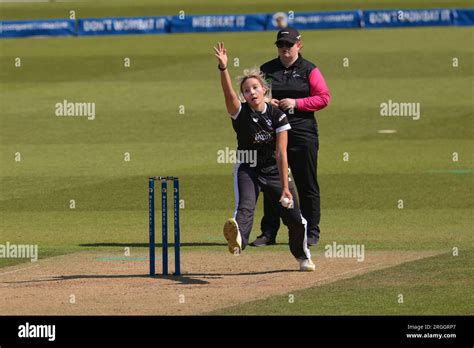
point(106, 283)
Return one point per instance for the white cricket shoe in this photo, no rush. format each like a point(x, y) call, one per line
point(307, 266)
point(232, 234)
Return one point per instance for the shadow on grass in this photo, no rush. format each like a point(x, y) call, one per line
point(145, 245)
point(188, 278)
point(180, 279)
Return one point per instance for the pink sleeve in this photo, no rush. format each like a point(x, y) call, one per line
point(319, 93)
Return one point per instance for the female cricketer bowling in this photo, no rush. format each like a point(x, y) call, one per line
point(262, 128)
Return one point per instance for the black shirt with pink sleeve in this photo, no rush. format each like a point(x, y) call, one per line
point(304, 82)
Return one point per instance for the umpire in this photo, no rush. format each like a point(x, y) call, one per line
point(299, 89)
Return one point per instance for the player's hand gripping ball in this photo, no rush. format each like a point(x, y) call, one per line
point(286, 202)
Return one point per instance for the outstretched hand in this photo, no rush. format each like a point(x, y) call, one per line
point(221, 54)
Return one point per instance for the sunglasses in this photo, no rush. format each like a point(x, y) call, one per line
point(286, 44)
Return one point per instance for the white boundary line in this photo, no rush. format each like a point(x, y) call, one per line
point(359, 269)
point(18, 270)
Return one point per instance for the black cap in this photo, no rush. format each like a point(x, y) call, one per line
point(289, 35)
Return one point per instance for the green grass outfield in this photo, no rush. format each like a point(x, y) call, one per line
point(426, 287)
point(107, 8)
point(64, 158)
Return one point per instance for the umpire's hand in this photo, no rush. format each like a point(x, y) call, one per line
point(287, 103)
point(275, 103)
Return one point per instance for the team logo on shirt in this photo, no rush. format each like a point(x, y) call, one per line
point(255, 119)
point(262, 137)
point(268, 122)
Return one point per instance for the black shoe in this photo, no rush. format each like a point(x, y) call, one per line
point(312, 241)
point(262, 241)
